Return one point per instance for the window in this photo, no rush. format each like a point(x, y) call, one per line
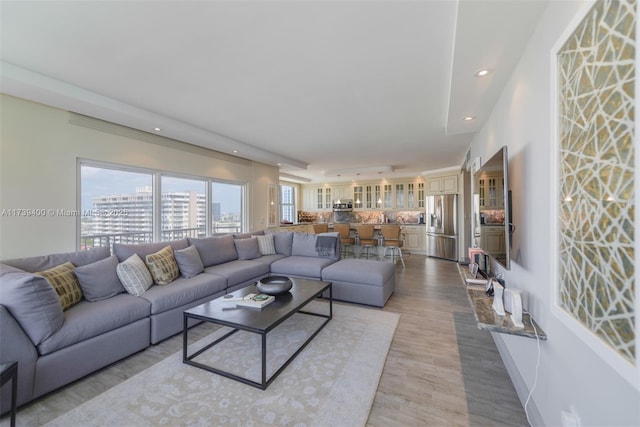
point(135, 205)
point(183, 208)
point(287, 203)
point(226, 207)
point(116, 206)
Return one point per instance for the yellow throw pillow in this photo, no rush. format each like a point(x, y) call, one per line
point(65, 282)
point(163, 266)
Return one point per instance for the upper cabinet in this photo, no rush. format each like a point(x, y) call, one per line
point(490, 191)
point(317, 198)
point(374, 196)
point(443, 185)
point(341, 192)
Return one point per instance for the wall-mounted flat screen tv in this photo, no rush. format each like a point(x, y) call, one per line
point(491, 208)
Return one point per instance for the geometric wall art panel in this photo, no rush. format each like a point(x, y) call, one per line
point(596, 160)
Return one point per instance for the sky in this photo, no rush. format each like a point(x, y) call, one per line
point(100, 182)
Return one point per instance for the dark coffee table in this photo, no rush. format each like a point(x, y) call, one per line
point(259, 321)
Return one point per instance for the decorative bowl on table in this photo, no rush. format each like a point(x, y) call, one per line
point(274, 285)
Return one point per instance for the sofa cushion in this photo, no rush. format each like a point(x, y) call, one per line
point(303, 266)
point(162, 266)
point(99, 280)
point(266, 244)
point(32, 301)
point(362, 271)
point(239, 271)
point(39, 263)
point(283, 241)
point(183, 291)
point(134, 275)
point(124, 251)
point(247, 248)
point(87, 320)
point(215, 250)
point(316, 245)
point(189, 261)
point(64, 281)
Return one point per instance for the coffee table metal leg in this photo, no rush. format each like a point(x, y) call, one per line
point(264, 361)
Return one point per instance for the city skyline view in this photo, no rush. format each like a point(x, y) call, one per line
point(98, 182)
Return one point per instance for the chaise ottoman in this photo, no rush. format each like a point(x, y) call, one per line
point(361, 281)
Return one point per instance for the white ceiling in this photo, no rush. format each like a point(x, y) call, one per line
point(314, 85)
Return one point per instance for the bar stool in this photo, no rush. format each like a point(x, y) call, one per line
point(345, 238)
point(392, 239)
point(366, 238)
point(320, 228)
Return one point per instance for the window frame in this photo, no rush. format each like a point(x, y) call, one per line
point(157, 175)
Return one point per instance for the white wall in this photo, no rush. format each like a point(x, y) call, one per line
point(39, 149)
point(571, 374)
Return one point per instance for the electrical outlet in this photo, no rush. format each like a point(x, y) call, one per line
point(570, 418)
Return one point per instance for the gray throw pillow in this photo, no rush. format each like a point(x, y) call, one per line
point(283, 242)
point(189, 261)
point(247, 248)
point(99, 280)
point(32, 301)
point(215, 250)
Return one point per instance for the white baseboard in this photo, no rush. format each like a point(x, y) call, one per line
point(517, 381)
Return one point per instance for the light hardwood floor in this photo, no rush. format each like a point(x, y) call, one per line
point(440, 371)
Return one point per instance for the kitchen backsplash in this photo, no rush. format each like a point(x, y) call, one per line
point(368, 217)
point(493, 216)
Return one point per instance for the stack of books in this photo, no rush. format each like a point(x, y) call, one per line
point(253, 300)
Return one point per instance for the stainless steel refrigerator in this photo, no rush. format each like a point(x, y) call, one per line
point(442, 239)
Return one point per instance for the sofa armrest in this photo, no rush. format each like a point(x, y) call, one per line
point(15, 345)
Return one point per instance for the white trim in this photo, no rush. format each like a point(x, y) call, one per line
point(614, 359)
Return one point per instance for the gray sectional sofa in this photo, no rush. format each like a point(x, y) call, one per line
point(55, 347)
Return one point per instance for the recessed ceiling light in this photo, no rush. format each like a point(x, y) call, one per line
point(481, 73)
point(469, 118)
point(157, 129)
point(235, 151)
point(279, 164)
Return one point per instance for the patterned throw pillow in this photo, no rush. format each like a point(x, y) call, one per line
point(163, 266)
point(64, 281)
point(134, 276)
point(266, 244)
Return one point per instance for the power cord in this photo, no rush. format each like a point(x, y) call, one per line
point(535, 381)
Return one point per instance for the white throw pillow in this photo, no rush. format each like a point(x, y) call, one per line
point(134, 275)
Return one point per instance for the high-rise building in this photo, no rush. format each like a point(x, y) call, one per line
point(182, 214)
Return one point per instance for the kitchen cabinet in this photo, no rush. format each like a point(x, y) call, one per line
point(490, 191)
point(341, 192)
point(393, 195)
point(414, 239)
point(387, 196)
point(443, 185)
point(358, 196)
point(492, 239)
point(400, 196)
point(317, 199)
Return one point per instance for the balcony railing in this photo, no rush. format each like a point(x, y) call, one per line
point(140, 237)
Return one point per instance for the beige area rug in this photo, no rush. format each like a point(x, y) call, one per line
point(332, 382)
